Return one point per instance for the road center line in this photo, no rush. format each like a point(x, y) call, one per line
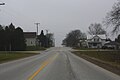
point(44, 64)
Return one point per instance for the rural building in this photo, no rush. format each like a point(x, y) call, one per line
point(82, 43)
point(96, 41)
point(30, 38)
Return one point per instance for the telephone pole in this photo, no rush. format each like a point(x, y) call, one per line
point(37, 24)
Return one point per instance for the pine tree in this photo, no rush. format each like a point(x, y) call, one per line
point(19, 40)
point(42, 39)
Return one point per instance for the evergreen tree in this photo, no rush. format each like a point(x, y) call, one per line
point(11, 39)
point(2, 47)
point(19, 40)
point(7, 40)
point(42, 39)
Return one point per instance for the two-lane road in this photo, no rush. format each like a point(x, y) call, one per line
point(54, 64)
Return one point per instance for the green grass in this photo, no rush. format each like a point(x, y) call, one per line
point(109, 56)
point(8, 56)
point(34, 48)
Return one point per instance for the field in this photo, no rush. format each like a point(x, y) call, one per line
point(109, 56)
point(13, 55)
point(109, 60)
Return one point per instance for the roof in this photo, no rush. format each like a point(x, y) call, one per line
point(92, 36)
point(30, 34)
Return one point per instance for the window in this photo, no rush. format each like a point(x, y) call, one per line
point(94, 44)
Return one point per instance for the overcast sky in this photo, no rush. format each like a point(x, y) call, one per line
point(57, 16)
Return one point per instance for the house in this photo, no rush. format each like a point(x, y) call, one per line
point(112, 45)
point(96, 41)
point(30, 38)
point(82, 43)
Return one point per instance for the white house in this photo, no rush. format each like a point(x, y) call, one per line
point(96, 41)
point(30, 38)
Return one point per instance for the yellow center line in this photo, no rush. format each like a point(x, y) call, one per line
point(44, 64)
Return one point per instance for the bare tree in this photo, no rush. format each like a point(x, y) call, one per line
point(113, 17)
point(96, 29)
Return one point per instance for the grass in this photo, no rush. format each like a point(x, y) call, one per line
point(85, 48)
point(8, 56)
point(34, 48)
point(109, 56)
point(109, 60)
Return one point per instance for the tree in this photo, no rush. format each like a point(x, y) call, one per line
point(113, 17)
point(19, 40)
point(2, 41)
point(11, 38)
point(50, 39)
point(96, 29)
point(7, 40)
point(42, 39)
point(73, 38)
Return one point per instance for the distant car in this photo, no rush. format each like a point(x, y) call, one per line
point(106, 47)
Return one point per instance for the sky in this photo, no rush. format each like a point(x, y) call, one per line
point(56, 16)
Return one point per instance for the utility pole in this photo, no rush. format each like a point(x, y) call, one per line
point(37, 24)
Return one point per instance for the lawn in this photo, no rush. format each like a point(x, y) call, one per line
point(34, 48)
point(109, 56)
point(8, 56)
point(85, 48)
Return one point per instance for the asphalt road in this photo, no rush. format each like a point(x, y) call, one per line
point(54, 64)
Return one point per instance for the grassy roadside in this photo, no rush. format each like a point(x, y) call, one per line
point(85, 49)
point(35, 48)
point(14, 55)
point(109, 60)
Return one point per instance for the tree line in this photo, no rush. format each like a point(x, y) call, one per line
point(11, 38)
point(75, 38)
point(112, 19)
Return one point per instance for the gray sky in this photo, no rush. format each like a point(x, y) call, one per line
point(58, 16)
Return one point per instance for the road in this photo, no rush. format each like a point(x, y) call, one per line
point(56, 63)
